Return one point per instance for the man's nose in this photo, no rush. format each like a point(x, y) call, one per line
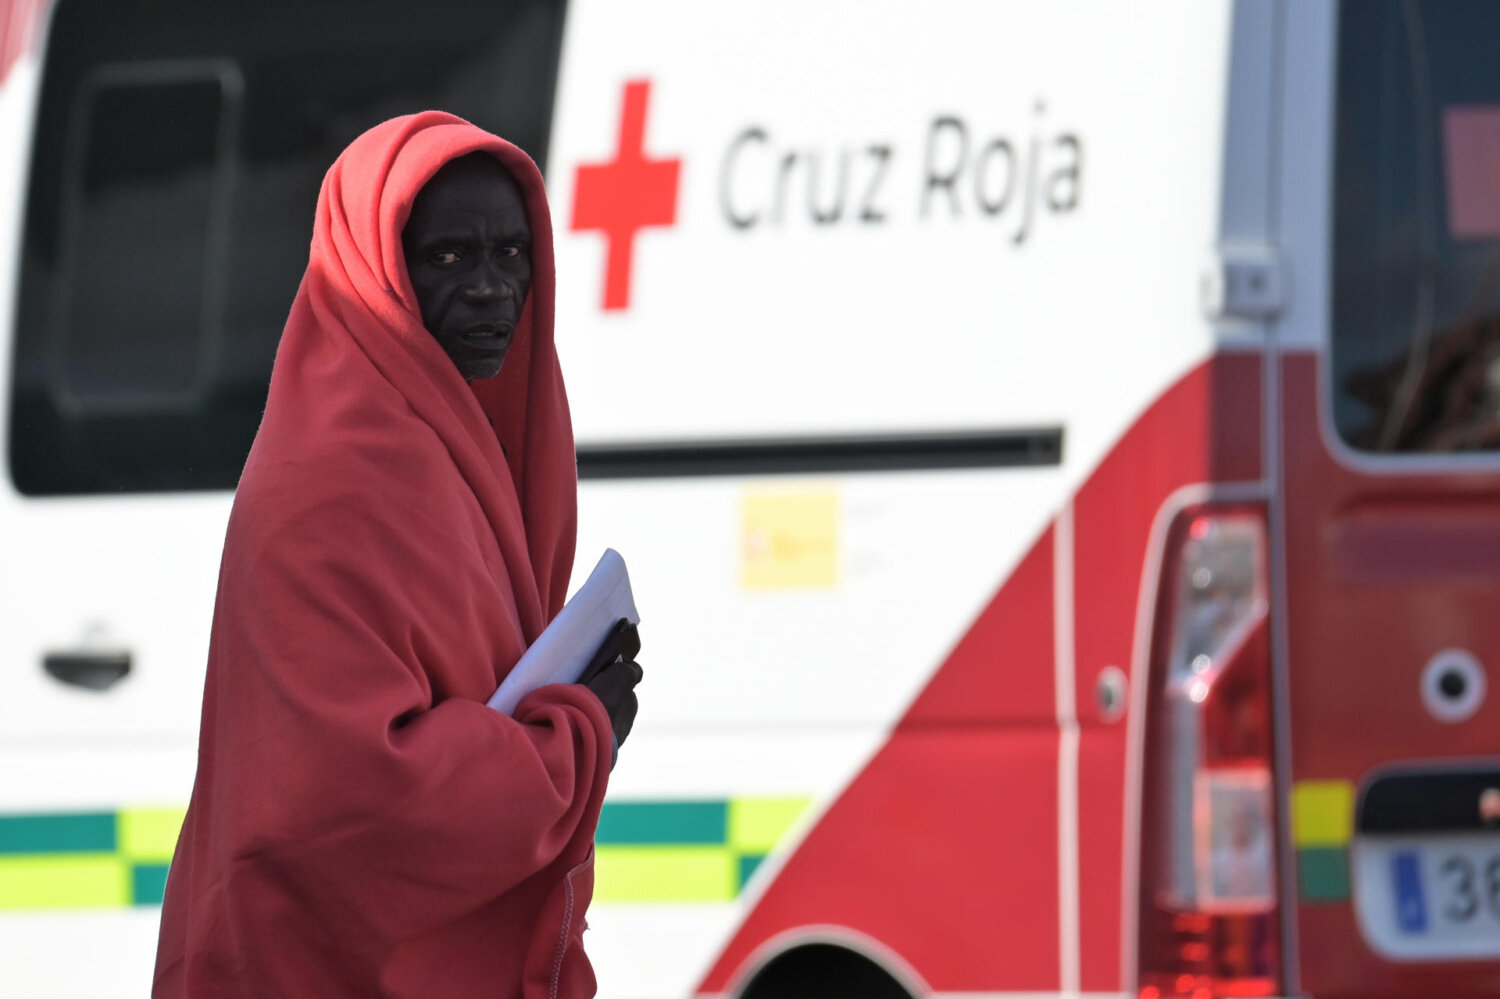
point(486, 283)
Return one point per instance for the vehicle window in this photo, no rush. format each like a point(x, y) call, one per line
point(178, 155)
point(163, 195)
point(1416, 299)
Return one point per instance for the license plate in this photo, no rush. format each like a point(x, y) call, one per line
point(1429, 897)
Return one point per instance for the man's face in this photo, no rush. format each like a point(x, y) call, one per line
point(468, 254)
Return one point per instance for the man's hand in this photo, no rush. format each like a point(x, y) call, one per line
point(615, 686)
point(612, 676)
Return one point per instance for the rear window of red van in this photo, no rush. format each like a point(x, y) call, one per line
point(1416, 294)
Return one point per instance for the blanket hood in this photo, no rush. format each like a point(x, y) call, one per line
point(356, 296)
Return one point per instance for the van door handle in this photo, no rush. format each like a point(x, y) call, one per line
point(88, 669)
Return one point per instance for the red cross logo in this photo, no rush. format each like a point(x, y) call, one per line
point(626, 194)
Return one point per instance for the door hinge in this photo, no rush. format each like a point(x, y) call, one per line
point(1243, 282)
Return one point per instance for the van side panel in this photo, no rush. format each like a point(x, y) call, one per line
point(849, 256)
point(952, 849)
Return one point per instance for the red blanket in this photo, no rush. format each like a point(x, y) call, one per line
point(362, 824)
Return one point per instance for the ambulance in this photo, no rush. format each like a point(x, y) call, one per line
point(1055, 447)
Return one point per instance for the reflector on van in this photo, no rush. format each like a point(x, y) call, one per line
point(1209, 907)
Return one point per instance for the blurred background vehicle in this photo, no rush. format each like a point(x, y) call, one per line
point(1079, 417)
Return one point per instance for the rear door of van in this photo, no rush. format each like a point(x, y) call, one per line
point(1390, 516)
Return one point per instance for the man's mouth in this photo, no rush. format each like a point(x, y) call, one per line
point(491, 337)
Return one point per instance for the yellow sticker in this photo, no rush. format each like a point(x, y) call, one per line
point(1322, 813)
point(790, 539)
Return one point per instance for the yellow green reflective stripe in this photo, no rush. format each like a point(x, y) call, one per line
point(64, 881)
point(699, 822)
point(148, 884)
point(648, 851)
point(756, 825)
point(687, 851)
point(1322, 826)
point(150, 834)
point(87, 860)
point(1323, 874)
point(666, 873)
point(697, 851)
point(88, 832)
point(1322, 813)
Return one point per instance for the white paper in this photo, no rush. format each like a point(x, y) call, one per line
point(562, 652)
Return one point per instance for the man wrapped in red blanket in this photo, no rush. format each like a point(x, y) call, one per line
point(362, 823)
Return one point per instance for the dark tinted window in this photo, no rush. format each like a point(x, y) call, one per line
point(179, 152)
point(169, 195)
point(1416, 308)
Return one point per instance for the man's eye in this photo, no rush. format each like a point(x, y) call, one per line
point(445, 257)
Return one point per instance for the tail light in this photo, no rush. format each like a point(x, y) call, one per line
point(1209, 906)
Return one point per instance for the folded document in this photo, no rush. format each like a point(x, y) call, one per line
point(562, 652)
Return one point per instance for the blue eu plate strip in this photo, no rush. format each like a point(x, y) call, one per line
point(1411, 907)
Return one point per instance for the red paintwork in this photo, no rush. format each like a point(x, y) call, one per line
point(1207, 428)
point(944, 848)
point(1383, 571)
point(19, 23)
point(626, 194)
point(1001, 671)
point(1101, 818)
point(912, 859)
